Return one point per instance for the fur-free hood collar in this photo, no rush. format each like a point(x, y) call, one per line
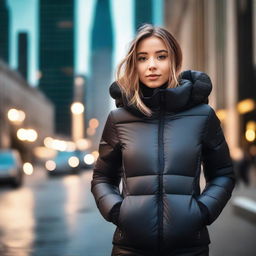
point(194, 89)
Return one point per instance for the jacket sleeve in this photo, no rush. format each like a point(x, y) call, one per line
point(107, 170)
point(217, 167)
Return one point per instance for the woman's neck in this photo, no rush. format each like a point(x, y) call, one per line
point(147, 91)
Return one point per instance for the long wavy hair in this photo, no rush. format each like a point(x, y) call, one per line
point(127, 76)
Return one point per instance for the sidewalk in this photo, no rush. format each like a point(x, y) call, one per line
point(233, 233)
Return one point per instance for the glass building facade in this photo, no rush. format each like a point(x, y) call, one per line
point(56, 58)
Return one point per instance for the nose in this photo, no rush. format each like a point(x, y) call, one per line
point(152, 64)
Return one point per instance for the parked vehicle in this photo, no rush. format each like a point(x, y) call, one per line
point(11, 168)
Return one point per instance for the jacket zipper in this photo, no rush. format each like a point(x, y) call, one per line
point(160, 176)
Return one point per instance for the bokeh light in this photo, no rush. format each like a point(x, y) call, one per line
point(77, 108)
point(89, 159)
point(28, 168)
point(73, 161)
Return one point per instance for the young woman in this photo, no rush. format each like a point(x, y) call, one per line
point(155, 142)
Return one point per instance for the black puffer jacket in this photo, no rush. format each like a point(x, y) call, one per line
point(159, 160)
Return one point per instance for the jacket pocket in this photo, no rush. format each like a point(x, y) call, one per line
point(182, 217)
point(138, 220)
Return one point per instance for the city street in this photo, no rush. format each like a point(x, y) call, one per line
point(158, 87)
point(58, 217)
point(52, 217)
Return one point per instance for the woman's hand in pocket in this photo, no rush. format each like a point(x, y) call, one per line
point(204, 212)
point(114, 213)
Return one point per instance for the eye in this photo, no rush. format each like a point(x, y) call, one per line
point(141, 58)
point(162, 57)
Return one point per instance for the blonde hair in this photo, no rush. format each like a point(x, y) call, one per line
point(127, 75)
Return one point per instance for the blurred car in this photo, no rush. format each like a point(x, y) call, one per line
point(65, 162)
point(11, 169)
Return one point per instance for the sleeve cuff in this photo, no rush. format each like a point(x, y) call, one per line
point(114, 213)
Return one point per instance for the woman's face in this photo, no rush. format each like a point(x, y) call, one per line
point(152, 62)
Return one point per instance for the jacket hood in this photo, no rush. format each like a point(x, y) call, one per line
point(194, 89)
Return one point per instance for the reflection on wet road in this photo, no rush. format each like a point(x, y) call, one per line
point(16, 221)
point(52, 217)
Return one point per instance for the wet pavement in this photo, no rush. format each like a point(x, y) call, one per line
point(52, 217)
point(58, 217)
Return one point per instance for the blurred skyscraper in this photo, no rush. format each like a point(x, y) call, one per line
point(23, 54)
point(245, 53)
point(143, 12)
point(218, 37)
point(4, 31)
point(97, 94)
point(56, 56)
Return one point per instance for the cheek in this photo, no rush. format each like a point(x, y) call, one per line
point(140, 70)
point(166, 69)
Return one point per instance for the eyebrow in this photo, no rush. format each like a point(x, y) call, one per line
point(155, 52)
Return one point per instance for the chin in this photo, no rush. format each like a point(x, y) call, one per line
point(153, 84)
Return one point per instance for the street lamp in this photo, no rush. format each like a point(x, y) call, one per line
point(246, 106)
point(22, 134)
point(77, 109)
point(27, 135)
point(94, 123)
point(15, 115)
point(250, 133)
point(31, 135)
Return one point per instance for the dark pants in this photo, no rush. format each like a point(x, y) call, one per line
point(192, 251)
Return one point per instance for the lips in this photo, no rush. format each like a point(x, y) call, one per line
point(153, 77)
